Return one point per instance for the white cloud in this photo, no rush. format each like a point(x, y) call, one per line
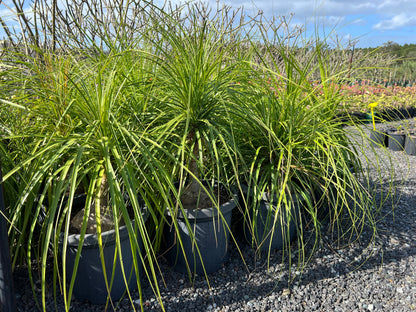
point(397, 21)
point(310, 8)
point(396, 6)
point(359, 22)
point(383, 14)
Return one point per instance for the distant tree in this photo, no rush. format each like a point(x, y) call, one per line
point(403, 66)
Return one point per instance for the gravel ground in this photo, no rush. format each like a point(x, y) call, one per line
point(376, 277)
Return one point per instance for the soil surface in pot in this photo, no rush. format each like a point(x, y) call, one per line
point(107, 218)
point(195, 197)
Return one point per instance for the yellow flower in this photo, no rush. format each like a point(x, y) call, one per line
point(372, 105)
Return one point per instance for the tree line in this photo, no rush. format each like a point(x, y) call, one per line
point(403, 66)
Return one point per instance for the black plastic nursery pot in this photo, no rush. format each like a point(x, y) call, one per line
point(262, 230)
point(323, 198)
point(394, 114)
point(379, 138)
point(410, 144)
point(7, 296)
point(396, 140)
point(89, 281)
point(205, 242)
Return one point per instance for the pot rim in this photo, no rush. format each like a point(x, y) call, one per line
point(108, 237)
point(206, 213)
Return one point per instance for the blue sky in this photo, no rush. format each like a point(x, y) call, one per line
point(371, 22)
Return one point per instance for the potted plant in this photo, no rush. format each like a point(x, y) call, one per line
point(297, 153)
point(86, 145)
point(396, 138)
point(272, 198)
point(410, 144)
point(379, 137)
point(195, 78)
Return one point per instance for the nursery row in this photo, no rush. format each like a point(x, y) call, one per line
point(399, 138)
point(394, 102)
point(190, 120)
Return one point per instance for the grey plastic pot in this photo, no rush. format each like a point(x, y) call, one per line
point(7, 296)
point(378, 138)
point(89, 282)
point(323, 199)
point(261, 224)
point(396, 140)
point(209, 230)
point(410, 144)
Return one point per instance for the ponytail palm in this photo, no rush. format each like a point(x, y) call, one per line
point(89, 146)
point(195, 78)
point(196, 75)
point(294, 146)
